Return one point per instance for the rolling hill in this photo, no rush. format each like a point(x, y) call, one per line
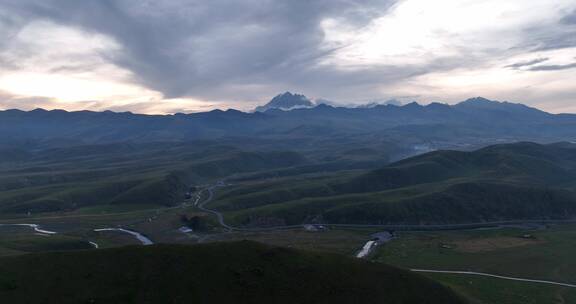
point(522, 181)
point(142, 175)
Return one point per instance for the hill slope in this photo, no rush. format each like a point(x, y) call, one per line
point(242, 272)
point(66, 179)
point(523, 181)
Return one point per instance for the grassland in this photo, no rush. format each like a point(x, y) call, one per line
point(20, 240)
point(522, 181)
point(480, 290)
point(102, 178)
point(533, 254)
point(142, 189)
point(546, 254)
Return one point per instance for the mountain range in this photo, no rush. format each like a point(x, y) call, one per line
point(472, 123)
point(58, 161)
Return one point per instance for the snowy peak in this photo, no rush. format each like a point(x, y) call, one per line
point(286, 102)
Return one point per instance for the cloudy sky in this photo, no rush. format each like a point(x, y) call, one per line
point(166, 56)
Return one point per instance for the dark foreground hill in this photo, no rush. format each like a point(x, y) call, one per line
point(242, 272)
point(523, 181)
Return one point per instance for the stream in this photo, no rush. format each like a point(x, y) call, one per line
point(144, 240)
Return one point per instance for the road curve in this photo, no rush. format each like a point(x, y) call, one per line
point(495, 276)
point(222, 222)
point(218, 215)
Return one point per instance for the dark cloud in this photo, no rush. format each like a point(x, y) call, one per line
point(570, 18)
point(526, 63)
point(553, 67)
point(196, 47)
point(558, 35)
point(9, 27)
point(235, 51)
point(554, 40)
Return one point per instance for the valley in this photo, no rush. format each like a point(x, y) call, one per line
point(460, 214)
point(287, 152)
point(486, 250)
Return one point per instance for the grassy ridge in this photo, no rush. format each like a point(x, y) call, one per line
point(498, 183)
point(73, 178)
point(242, 272)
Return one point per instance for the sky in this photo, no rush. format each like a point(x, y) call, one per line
point(168, 56)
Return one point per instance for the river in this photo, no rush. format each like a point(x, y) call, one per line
point(36, 228)
point(144, 240)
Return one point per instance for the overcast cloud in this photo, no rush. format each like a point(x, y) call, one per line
point(164, 56)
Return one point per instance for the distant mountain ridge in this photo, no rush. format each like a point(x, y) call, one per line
point(476, 120)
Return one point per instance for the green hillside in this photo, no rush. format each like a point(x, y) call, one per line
point(241, 272)
point(522, 162)
point(498, 183)
point(67, 179)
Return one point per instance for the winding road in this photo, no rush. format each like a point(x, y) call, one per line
point(366, 248)
point(414, 228)
point(495, 276)
point(218, 215)
point(372, 244)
